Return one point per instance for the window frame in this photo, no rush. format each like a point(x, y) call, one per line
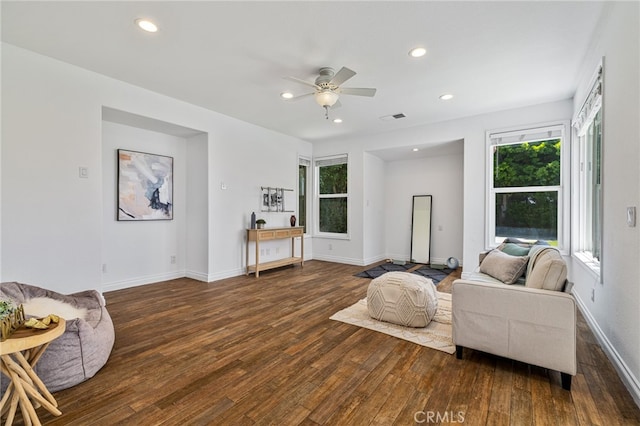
point(308, 188)
point(582, 201)
point(532, 133)
point(321, 162)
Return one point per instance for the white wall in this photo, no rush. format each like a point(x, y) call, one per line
point(472, 131)
point(614, 314)
point(374, 209)
point(140, 252)
point(439, 176)
point(52, 220)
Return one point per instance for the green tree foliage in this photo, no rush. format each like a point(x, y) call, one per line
point(527, 164)
point(333, 211)
point(333, 179)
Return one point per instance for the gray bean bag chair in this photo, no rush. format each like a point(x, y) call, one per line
point(82, 349)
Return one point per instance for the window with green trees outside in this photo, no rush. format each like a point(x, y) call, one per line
point(332, 184)
point(526, 193)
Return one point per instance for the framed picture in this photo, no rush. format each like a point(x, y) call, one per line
point(145, 186)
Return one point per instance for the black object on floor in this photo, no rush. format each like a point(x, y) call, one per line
point(376, 271)
point(436, 275)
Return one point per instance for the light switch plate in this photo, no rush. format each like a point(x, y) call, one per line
point(631, 217)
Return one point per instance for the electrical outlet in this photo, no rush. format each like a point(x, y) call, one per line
point(261, 252)
point(268, 252)
point(277, 250)
point(173, 259)
point(104, 268)
point(330, 246)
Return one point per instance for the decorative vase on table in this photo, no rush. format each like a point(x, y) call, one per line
point(292, 220)
point(253, 220)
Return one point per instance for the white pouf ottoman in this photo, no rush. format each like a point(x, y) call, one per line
point(402, 298)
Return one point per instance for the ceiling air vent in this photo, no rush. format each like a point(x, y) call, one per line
point(393, 117)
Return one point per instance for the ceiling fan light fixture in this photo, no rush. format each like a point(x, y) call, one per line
point(326, 98)
point(146, 25)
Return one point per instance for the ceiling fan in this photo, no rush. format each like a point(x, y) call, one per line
point(328, 90)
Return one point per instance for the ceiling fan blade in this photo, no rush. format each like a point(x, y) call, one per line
point(341, 76)
point(299, 80)
point(358, 91)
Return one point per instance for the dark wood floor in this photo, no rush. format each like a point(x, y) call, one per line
point(264, 351)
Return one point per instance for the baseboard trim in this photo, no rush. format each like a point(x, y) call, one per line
point(148, 279)
point(198, 276)
point(336, 259)
point(375, 259)
point(225, 274)
point(630, 381)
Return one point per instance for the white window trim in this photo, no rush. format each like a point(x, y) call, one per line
point(308, 186)
point(591, 104)
point(510, 135)
point(316, 208)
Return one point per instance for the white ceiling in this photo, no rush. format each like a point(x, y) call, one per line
point(231, 56)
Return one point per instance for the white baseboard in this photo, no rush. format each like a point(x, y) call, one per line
point(630, 381)
point(337, 259)
point(375, 259)
point(198, 276)
point(148, 279)
point(225, 274)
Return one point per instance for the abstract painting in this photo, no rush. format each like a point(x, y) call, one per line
point(145, 186)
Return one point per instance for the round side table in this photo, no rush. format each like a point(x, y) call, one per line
point(19, 354)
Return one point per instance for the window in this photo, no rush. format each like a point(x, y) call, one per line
point(526, 193)
point(588, 128)
point(303, 189)
point(332, 194)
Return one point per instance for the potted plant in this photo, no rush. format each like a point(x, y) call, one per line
point(260, 223)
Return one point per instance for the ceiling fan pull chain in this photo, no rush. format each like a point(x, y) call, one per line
point(326, 112)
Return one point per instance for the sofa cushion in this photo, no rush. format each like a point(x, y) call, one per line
point(503, 266)
point(514, 249)
point(402, 298)
point(548, 270)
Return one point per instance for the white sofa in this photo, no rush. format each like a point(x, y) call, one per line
point(532, 321)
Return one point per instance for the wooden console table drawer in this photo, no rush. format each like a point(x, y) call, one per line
point(258, 235)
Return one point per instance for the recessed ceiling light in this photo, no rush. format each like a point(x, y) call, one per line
point(417, 52)
point(286, 95)
point(147, 25)
point(415, 150)
point(337, 120)
point(446, 96)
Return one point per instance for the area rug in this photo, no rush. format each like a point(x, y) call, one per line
point(376, 271)
point(436, 335)
point(436, 275)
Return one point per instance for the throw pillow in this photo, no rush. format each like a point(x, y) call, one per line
point(549, 271)
point(514, 249)
point(503, 266)
point(40, 307)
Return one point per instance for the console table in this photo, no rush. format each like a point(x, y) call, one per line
point(266, 234)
